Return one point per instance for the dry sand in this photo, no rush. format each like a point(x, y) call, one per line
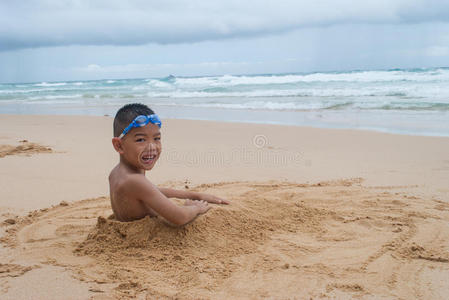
point(315, 214)
point(25, 148)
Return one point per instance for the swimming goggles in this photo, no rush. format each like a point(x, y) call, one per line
point(141, 121)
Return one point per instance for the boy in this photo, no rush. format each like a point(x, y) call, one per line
point(138, 141)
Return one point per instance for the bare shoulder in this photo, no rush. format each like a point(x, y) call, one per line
point(137, 183)
point(115, 176)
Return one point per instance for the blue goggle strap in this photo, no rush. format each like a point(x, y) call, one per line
point(146, 119)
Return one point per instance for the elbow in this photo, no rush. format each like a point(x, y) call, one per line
point(183, 216)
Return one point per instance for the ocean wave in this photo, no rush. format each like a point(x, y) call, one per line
point(354, 77)
point(420, 89)
point(416, 106)
point(159, 84)
point(253, 105)
point(306, 92)
point(277, 104)
point(37, 90)
point(51, 84)
point(306, 105)
point(342, 105)
point(54, 97)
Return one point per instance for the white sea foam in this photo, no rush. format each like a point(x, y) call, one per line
point(420, 95)
point(159, 84)
point(405, 91)
point(51, 84)
point(264, 105)
point(426, 86)
point(305, 105)
point(361, 76)
point(54, 97)
point(33, 90)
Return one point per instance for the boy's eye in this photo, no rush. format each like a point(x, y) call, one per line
point(140, 140)
point(157, 138)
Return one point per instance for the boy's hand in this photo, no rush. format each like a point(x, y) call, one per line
point(202, 206)
point(212, 199)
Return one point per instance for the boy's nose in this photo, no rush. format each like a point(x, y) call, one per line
point(152, 147)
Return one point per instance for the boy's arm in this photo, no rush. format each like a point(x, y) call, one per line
point(173, 193)
point(151, 197)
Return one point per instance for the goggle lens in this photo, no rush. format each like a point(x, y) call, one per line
point(141, 121)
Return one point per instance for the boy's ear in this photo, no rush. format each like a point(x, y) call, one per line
point(117, 143)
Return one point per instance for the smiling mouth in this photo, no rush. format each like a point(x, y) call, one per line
point(148, 158)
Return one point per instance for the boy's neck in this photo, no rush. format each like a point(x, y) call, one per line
point(132, 169)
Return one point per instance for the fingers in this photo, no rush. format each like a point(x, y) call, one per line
point(199, 203)
point(224, 201)
point(221, 201)
point(203, 205)
point(189, 202)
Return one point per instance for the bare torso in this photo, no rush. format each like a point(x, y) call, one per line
point(124, 205)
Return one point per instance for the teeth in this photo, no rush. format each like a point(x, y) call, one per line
point(149, 157)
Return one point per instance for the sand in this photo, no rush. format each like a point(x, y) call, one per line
point(25, 148)
point(315, 213)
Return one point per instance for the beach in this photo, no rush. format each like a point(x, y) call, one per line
point(315, 213)
point(318, 135)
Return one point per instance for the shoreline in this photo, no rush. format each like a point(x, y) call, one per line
point(109, 112)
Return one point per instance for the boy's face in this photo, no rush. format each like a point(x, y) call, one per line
point(141, 146)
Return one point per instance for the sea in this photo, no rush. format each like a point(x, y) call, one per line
point(404, 101)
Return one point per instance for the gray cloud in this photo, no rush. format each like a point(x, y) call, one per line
point(46, 23)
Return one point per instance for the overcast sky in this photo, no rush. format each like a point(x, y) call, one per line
point(56, 40)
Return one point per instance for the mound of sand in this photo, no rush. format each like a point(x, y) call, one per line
point(25, 148)
point(277, 240)
point(248, 225)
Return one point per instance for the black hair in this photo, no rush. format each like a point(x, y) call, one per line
point(127, 114)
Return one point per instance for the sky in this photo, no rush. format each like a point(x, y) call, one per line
point(59, 40)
